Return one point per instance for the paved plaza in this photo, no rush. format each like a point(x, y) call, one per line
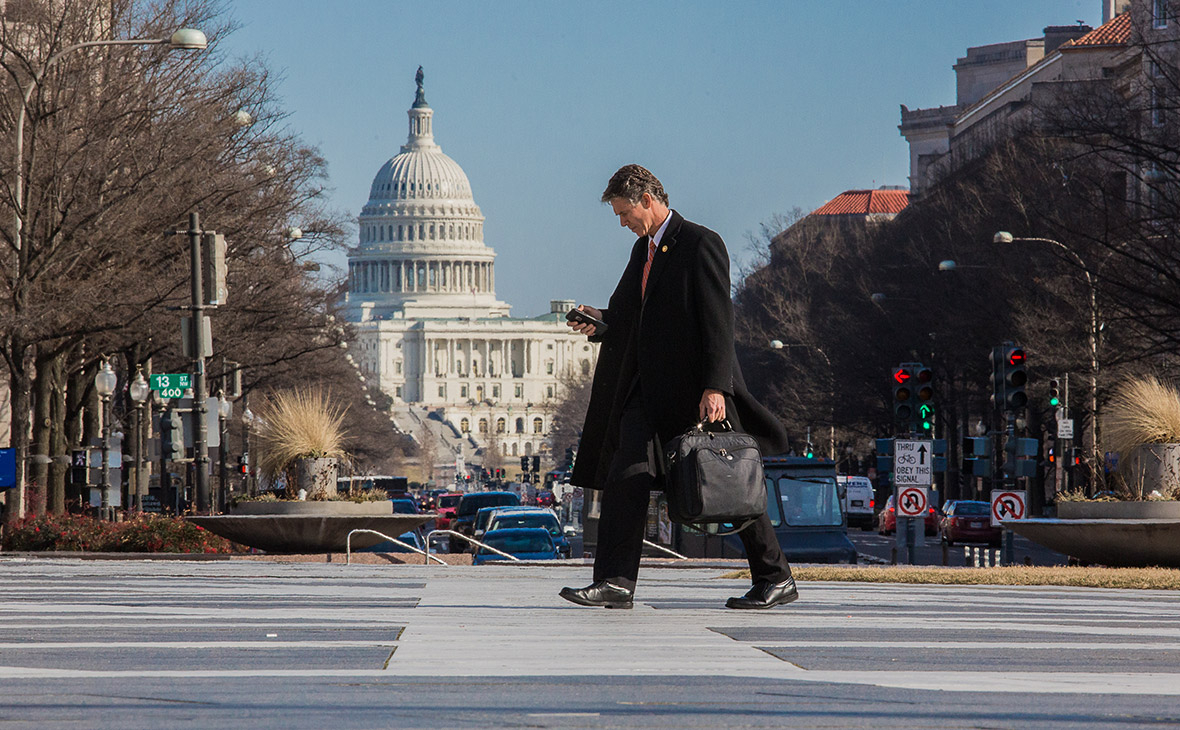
point(235, 643)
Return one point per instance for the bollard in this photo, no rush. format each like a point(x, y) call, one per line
point(946, 560)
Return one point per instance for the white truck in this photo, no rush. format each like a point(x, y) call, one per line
point(858, 500)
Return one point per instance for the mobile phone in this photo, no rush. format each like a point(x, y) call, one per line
point(578, 315)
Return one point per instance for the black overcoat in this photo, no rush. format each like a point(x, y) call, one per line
point(679, 340)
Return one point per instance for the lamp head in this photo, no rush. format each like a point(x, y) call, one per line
point(188, 39)
point(1002, 237)
point(138, 389)
point(106, 380)
point(948, 265)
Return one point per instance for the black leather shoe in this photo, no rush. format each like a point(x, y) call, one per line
point(766, 595)
point(599, 594)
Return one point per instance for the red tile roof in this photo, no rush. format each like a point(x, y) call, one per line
point(866, 202)
point(1115, 32)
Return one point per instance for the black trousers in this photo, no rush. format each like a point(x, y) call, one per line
point(623, 516)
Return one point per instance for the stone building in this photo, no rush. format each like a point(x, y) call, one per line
point(431, 332)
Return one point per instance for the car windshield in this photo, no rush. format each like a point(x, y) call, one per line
point(520, 542)
point(805, 502)
point(449, 500)
point(471, 503)
point(972, 508)
point(549, 522)
point(404, 507)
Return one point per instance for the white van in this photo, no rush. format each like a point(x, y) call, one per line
point(858, 501)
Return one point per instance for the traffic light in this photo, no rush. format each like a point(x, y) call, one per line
point(213, 266)
point(977, 455)
point(244, 464)
point(79, 469)
point(1076, 458)
point(903, 408)
point(1054, 394)
point(1016, 461)
point(524, 463)
point(536, 463)
point(924, 392)
point(1015, 378)
point(172, 436)
point(997, 361)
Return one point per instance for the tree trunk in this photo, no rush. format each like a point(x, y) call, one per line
point(59, 445)
point(42, 423)
point(19, 384)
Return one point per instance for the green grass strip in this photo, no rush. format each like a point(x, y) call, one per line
point(1163, 579)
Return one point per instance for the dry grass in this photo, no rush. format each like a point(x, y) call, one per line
point(299, 424)
point(1143, 578)
point(1143, 411)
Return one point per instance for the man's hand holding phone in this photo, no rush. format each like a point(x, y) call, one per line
point(585, 320)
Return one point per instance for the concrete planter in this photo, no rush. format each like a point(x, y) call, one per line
point(317, 477)
point(1125, 534)
point(327, 509)
point(1152, 467)
point(1118, 510)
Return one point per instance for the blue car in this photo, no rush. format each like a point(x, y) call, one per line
point(402, 506)
point(525, 543)
point(507, 518)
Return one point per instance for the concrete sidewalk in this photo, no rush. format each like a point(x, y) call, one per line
point(201, 644)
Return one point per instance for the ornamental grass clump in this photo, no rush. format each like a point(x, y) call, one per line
point(300, 424)
point(1143, 411)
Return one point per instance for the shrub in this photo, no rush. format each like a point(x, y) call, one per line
point(1142, 411)
point(140, 534)
point(299, 424)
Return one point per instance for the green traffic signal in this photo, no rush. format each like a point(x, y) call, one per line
point(1054, 401)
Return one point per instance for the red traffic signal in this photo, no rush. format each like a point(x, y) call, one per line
point(1016, 356)
point(900, 375)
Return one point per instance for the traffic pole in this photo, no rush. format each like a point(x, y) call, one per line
point(197, 331)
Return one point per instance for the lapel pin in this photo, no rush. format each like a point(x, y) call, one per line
point(664, 249)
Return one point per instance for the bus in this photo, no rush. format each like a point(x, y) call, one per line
point(392, 486)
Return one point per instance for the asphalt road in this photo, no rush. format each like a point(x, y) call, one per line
point(151, 644)
point(879, 548)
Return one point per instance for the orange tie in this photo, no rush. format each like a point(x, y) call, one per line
point(651, 254)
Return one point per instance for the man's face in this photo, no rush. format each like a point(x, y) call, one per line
point(639, 217)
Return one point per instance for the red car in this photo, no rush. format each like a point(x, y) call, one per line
point(968, 521)
point(445, 506)
point(545, 498)
point(887, 519)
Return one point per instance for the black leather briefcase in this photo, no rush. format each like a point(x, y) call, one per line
point(714, 477)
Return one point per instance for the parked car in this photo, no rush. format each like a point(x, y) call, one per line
point(968, 521)
point(858, 501)
point(887, 519)
point(469, 505)
point(525, 543)
point(507, 518)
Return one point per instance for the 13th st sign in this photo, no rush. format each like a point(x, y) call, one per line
point(913, 463)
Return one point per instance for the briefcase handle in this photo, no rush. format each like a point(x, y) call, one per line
point(721, 426)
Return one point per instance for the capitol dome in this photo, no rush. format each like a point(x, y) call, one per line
point(421, 233)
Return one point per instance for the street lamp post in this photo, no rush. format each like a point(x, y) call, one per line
point(139, 392)
point(182, 39)
point(780, 345)
point(1005, 237)
point(104, 384)
point(247, 423)
point(225, 410)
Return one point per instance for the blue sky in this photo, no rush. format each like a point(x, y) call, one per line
point(743, 109)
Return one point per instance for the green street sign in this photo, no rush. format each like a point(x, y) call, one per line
point(171, 385)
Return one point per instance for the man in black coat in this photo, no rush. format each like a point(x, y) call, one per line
point(667, 362)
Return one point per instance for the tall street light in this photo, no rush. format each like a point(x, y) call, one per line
point(104, 384)
point(780, 345)
point(139, 392)
point(1004, 237)
point(182, 39)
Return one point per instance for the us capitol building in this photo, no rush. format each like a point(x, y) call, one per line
point(430, 331)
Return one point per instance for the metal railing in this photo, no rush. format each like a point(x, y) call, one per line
point(426, 561)
point(673, 553)
point(471, 540)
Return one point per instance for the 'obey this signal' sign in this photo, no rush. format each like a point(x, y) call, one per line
point(1007, 505)
point(913, 463)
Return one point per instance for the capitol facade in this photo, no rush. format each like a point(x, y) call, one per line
point(430, 331)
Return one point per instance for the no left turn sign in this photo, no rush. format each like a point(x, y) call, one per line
point(911, 501)
point(1007, 506)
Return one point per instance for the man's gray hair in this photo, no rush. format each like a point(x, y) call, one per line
point(631, 182)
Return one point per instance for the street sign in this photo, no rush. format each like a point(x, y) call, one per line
point(1065, 428)
point(911, 501)
point(1007, 506)
point(7, 468)
point(913, 463)
point(171, 385)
